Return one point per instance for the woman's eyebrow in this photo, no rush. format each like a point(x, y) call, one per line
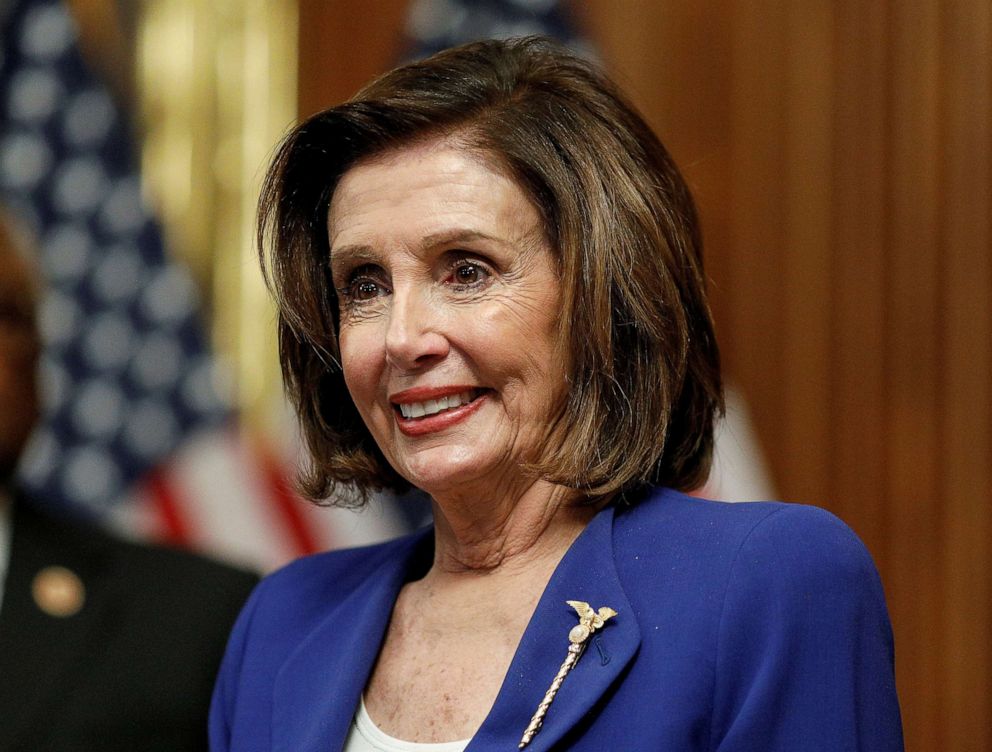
point(448, 237)
point(350, 255)
point(359, 253)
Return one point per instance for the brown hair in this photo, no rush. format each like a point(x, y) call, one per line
point(643, 372)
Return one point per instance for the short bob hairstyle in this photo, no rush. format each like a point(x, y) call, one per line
point(642, 365)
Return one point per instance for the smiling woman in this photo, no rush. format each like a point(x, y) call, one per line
point(490, 287)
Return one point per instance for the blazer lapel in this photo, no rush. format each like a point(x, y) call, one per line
point(316, 692)
point(586, 573)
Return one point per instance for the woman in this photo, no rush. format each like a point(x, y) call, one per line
point(490, 288)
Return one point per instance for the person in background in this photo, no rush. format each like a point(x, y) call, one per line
point(104, 644)
point(490, 287)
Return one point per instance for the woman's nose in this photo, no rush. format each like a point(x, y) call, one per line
point(413, 338)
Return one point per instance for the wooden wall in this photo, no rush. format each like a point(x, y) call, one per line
point(840, 152)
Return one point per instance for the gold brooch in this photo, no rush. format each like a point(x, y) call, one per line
point(578, 638)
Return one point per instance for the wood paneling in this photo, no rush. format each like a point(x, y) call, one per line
point(344, 43)
point(966, 384)
point(858, 272)
point(912, 399)
point(841, 153)
point(805, 398)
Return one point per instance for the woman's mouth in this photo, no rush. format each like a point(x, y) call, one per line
point(435, 406)
point(420, 411)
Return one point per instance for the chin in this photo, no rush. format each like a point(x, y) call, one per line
point(439, 481)
point(443, 470)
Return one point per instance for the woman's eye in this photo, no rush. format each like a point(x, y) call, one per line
point(364, 289)
point(363, 285)
point(467, 273)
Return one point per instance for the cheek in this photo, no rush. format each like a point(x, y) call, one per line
point(361, 369)
point(520, 352)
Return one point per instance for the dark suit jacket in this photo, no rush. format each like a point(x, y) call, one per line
point(133, 669)
point(740, 627)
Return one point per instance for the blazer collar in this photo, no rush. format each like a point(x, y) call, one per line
point(318, 689)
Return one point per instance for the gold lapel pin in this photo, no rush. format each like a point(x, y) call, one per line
point(578, 638)
point(58, 592)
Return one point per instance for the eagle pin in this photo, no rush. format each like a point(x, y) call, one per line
point(578, 636)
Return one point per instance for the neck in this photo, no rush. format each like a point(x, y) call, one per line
point(511, 533)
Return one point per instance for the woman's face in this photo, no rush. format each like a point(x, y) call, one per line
point(448, 298)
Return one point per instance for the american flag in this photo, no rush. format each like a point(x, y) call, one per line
point(137, 427)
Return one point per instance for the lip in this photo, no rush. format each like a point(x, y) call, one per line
point(424, 393)
point(439, 421)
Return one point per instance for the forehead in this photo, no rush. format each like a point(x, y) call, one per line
point(426, 188)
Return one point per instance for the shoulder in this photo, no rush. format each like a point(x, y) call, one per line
point(781, 603)
point(150, 570)
point(294, 599)
point(201, 589)
point(785, 606)
point(768, 571)
point(723, 532)
point(708, 556)
point(158, 596)
point(341, 570)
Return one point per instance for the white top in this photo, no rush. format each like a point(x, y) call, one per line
point(365, 736)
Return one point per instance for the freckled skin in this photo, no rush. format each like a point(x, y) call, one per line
point(18, 355)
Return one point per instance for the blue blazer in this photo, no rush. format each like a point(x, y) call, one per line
point(740, 627)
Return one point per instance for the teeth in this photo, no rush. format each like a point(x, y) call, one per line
point(432, 407)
